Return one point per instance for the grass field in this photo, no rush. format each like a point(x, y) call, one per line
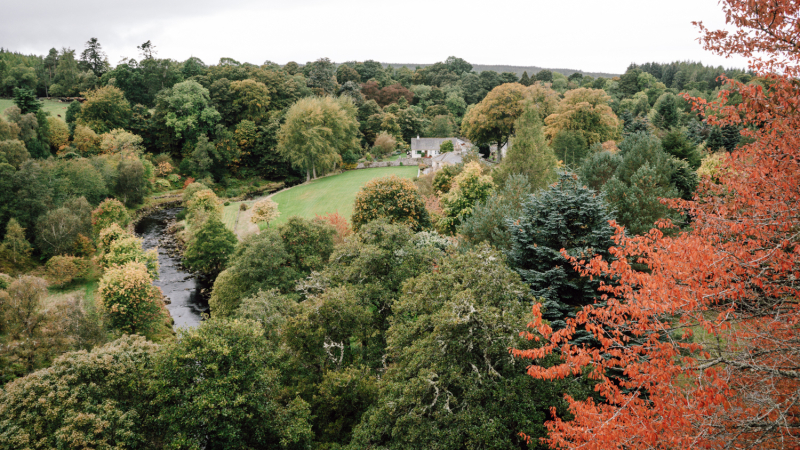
point(53, 107)
point(331, 194)
point(230, 212)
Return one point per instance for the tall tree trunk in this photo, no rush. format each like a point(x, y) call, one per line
point(314, 168)
point(308, 174)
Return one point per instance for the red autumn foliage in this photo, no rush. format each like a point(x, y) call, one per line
point(340, 224)
point(188, 181)
point(708, 338)
point(387, 95)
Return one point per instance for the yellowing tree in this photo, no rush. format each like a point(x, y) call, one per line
point(59, 133)
point(265, 211)
point(587, 112)
point(492, 120)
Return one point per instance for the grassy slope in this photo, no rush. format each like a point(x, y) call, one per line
point(53, 107)
point(331, 194)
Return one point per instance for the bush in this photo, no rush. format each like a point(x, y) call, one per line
point(468, 188)
point(393, 198)
point(339, 223)
point(132, 302)
point(108, 235)
point(446, 146)
point(83, 246)
point(227, 203)
point(190, 190)
point(243, 206)
point(385, 144)
point(163, 185)
point(5, 281)
point(203, 204)
point(110, 211)
point(62, 270)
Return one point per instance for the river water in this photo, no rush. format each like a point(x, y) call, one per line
point(188, 295)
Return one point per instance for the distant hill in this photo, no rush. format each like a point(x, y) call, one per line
point(516, 69)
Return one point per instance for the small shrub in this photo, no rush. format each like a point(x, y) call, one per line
point(227, 204)
point(446, 146)
point(187, 182)
point(190, 189)
point(83, 246)
point(243, 207)
point(173, 178)
point(5, 281)
point(340, 224)
point(63, 270)
point(162, 185)
point(110, 234)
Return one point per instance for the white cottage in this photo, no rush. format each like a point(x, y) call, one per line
point(429, 147)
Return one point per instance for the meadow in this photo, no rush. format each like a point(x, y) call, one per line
point(55, 108)
point(335, 193)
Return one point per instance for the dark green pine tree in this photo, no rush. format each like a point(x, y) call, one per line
point(716, 140)
point(524, 79)
point(730, 137)
point(26, 100)
point(210, 248)
point(567, 215)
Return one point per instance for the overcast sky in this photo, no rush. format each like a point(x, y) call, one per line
point(589, 35)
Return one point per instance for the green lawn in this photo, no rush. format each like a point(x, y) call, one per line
point(53, 107)
point(331, 194)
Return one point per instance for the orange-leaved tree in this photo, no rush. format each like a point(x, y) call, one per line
point(708, 337)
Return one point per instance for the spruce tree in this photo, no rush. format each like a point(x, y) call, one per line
point(569, 216)
point(524, 79)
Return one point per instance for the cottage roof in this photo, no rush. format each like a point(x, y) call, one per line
point(427, 144)
point(448, 158)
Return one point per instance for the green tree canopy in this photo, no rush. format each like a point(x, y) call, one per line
point(210, 247)
point(586, 111)
point(316, 132)
point(492, 120)
point(393, 198)
point(529, 153)
point(105, 109)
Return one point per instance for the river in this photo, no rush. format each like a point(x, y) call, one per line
point(188, 295)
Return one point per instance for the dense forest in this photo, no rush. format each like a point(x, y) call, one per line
point(612, 263)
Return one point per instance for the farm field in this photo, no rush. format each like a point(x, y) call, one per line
point(331, 194)
point(53, 107)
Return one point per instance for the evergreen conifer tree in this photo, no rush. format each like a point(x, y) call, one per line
point(524, 79)
point(569, 216)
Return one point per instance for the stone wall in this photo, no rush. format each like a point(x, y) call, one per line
point(400, 162)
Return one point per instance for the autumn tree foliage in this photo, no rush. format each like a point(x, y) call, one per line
point(130, 298)
point(707, 335)
point(265, 211)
